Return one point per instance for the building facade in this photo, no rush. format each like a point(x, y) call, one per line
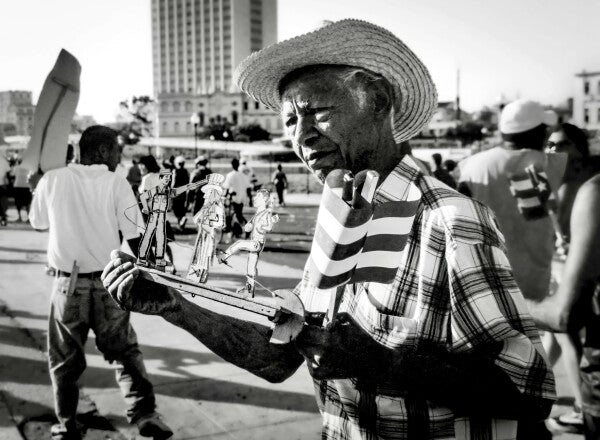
point(196, 45)
point(586, 101)
point(16, 109)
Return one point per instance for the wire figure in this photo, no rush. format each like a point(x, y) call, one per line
point(258, 227)
point(210, 219)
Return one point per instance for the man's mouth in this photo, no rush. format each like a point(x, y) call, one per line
point(320, 159)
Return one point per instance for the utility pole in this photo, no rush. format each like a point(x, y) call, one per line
point(458, 94)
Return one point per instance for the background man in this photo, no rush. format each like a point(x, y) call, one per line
point(239, 185)
point(84, 206)
point(486, 177)
point(447, 349)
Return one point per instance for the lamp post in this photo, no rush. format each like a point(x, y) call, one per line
point(195, 119)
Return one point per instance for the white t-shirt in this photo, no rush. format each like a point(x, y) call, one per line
point(237, 182)
point(84, 206)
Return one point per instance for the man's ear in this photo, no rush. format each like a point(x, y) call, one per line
point(383, 97)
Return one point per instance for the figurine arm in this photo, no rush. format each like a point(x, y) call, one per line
point(144, 197)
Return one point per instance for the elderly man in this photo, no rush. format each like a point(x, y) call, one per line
point(444, 351)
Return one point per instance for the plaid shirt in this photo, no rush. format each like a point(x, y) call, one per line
point(454, 288)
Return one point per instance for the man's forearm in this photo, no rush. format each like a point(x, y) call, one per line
point(242, 343)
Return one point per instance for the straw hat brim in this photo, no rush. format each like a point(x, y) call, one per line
point(353, 43)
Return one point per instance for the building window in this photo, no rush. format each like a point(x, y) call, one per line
point(188, 105)
point(586, 116)
point(176, 106)
point(164, 107)
point(598, 115)
point(256, 105)
point(246, 105)
point(165, 127)
point(586, 87)
point(201, 104)
point(176, 127)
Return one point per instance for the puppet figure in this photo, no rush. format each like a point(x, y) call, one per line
point(210, 218)
point(155, 203)
point(258, 226)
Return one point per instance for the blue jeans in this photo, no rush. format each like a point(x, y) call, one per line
point(71, 317)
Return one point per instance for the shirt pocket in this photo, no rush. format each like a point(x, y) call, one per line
point(389, 329)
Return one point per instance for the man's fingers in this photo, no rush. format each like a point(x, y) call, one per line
point(121, 285)
point(118, 270)
point(112, 264)
point(124, 256)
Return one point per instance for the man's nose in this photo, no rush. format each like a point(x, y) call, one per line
point(306, 133)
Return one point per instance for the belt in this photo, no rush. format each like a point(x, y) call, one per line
point(60, 273)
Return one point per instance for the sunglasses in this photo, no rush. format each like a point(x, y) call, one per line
point(558, 145)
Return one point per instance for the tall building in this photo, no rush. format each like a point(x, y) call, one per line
point(196, 45)
point(586, 102)
point(16, 112)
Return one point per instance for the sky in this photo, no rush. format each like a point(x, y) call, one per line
point(510, 48)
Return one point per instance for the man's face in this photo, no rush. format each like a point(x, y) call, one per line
point(328, 125)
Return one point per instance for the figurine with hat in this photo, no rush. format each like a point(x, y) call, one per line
point(210, 219)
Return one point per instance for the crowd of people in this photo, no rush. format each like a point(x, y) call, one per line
point(452, 348)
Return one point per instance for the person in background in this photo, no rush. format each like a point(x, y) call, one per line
point(239, 187)
point(134, 176)
point(4, 188)
point(581, 167)
point(170, 163)
point(440, 173)
point(247, 171)
point(21, 190)
point(181, 177)
point(279, 179)
point(576, 303)
point(200, 173)
point(84, 207)
point(452, 168)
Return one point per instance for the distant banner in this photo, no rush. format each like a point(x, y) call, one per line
point(358, 244)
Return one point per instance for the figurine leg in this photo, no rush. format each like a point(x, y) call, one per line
point(146, 242)
point(161, 233)
point(251, 272)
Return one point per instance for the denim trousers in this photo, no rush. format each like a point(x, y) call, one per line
point(72, 315)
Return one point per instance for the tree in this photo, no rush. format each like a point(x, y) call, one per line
point(137, 116)
point(251, 133)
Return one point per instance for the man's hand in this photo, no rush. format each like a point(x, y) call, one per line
point(121, 279)
point(341, 350)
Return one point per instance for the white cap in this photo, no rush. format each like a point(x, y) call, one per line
point(179, 159)
point(522, 115)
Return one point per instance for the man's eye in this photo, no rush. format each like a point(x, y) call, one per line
point(322, 115)
point(290, 121)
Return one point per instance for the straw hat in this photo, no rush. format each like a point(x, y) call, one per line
point(353, 43)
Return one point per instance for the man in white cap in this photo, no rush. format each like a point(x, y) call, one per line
point(486, 177)
point(446, 350)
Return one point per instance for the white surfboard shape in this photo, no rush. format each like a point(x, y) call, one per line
point(47, 148)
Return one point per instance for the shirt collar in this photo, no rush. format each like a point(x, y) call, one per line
point(401, 183)
point(78, 166)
